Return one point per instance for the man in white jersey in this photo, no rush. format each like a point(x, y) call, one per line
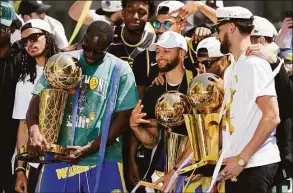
point(251, 153)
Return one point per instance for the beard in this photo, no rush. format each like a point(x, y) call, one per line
point(225, 45)
point(170, 66)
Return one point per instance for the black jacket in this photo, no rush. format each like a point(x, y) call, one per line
point(284, 90)
point(9, 74)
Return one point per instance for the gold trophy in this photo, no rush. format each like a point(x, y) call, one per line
point(63, 73)
point(169, 112)
point(206, 93)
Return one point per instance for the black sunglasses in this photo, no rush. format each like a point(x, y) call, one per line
point(209, 64)
point(31, 38)
point(90, 49)
point(216, 28)
point(4, 29)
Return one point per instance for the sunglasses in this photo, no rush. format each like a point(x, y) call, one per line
point(4, 29)
point(165, 24)
point(209, 64)
point(90, 49)
point(216, 28)
point(31, 38)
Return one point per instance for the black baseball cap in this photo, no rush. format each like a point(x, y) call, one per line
point(29, 6)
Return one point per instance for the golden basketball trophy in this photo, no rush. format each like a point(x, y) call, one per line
point(63, 73)
point(169, 112)
point(206, 93)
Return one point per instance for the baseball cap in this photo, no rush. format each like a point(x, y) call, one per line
point(109, 7)
point(170, 39)
point(234, 12)
point(29, 6)
point(7, 14)
point(213, 46)
point(263, 27)
point(37, 23)
point(167, 7)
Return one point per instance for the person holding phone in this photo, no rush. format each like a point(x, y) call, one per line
point(284, 38)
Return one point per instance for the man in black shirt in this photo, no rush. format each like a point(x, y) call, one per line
point(9, 73)
point(133, 39)
point(214, 61)
point(170, 50)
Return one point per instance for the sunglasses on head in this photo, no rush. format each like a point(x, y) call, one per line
point(4, 29)
point(31, 38)
point(209, 64)
point(165, 24)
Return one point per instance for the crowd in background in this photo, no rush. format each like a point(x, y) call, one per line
point(127, 30)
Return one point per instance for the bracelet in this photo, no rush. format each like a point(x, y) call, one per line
point(20, 169)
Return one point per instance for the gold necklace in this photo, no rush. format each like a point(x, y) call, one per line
point(178, 86)
point(131, 45)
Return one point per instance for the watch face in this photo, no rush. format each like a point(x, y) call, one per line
point(241, 162)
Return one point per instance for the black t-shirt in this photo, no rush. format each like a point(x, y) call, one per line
point(152, 94)
point(140, 61)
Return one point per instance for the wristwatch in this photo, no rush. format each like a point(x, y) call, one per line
point(241, 161)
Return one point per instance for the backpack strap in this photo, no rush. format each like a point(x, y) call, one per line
point(189, 76)
point(110, 106)
point(190, 48)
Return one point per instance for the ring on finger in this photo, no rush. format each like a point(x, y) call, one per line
point(234, 179)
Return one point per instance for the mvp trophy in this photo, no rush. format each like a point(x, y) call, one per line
point(206, 93)
point(169, 112)
point(63, 73)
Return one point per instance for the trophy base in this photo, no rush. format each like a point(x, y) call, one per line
point(205, 167)
point(151, 185)
point(23, 154)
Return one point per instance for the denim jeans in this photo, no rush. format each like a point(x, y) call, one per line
point(254, 180)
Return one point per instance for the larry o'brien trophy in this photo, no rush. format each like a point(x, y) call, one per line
point(169, 111)
point(63, 73)
point(206, 93)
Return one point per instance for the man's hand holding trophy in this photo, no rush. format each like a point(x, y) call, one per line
point(63, 73)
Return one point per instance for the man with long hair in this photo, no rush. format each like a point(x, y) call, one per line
point(39, 45)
